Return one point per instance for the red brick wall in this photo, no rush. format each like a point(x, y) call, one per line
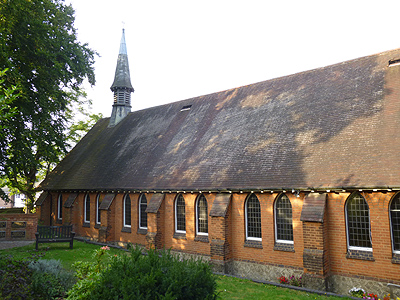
point(30, 221)
point(329, 236)
point(382, 268)
point(117, 220)
point(189, 244)
point(267, 254)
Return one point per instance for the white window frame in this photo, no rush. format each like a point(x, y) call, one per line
point(87, 198)
point(98, 209)
point(369, 249)
point(197, 216)
point(140, 211)
point(276, 227)
point(250, 238)
point(59, 207)
point(176, 218)
point(124, 217)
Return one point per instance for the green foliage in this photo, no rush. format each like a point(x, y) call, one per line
point(15, 279)
point(46, 67)
point(32, 278)
point(88, 275)
point(136, 276)
point(50, 279)
point(157, 275)
point(78, 129)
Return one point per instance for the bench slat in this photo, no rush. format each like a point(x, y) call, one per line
point(52, 234)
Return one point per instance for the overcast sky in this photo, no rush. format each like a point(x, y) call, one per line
point(183, 49)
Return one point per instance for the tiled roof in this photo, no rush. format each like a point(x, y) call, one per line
point(332, 127)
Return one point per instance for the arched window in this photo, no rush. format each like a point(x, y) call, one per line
point(253, 218)
point(358, 226)
point(87, 209)
point(201, 215)
point(180, 221)
point(395, 222)
point(98, 214)
point(283, 220)
point(127, 211)
point(59, 207)
point(142, 212)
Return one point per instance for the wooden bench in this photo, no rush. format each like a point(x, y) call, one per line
point(55, 234)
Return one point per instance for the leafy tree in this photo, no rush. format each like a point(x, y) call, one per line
point(38, 45)
point(7, 111)
point(80, 127)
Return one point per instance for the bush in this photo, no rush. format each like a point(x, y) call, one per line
point(15, 279)
point(88, 275)
point(157, 275)
point(50, 279)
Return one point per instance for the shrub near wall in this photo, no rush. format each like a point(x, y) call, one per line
point(157, 275)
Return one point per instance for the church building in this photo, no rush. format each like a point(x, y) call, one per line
point(295, 175)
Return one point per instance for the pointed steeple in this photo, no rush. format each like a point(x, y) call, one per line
point(122, 86)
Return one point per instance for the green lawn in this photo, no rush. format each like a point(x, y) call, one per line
point(228, 287)
point(81, 252)
point(235, 288)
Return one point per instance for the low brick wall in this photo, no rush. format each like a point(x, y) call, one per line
point(18, 227)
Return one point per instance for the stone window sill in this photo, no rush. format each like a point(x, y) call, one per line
point(284, 247)
point(97, 226)
point(201, 238)
point(253, 244)
point(59, 221)
point(360, 254)
point(142, 231)
point(86, 225)
point(126, 229)
point(181, 236)
point(396, 258)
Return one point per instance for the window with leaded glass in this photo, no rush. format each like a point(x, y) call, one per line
point(283, 220)
point(395, 222)
point(59, 207)
point(358, 226)
point(142, 211)
point(127, 211)
point(98, 215)
point(87, 209)
point(202, 215)
point(180, 222)
point(253, 218)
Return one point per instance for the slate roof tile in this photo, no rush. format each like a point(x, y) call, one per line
point(330, 127)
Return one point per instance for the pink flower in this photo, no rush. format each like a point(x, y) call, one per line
point(105, 248)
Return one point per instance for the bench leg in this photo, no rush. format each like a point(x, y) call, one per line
point(37, 243)
point(71, 244)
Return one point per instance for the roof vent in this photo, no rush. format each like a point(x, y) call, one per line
point(394, 62)
point(186, 107)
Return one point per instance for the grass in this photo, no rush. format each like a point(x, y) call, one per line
point(228, 287)
point(235, 288)
point(81, 252)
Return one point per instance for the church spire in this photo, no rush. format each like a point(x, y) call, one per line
point(122, 86)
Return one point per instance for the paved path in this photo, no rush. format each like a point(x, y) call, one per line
point(12, 244)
